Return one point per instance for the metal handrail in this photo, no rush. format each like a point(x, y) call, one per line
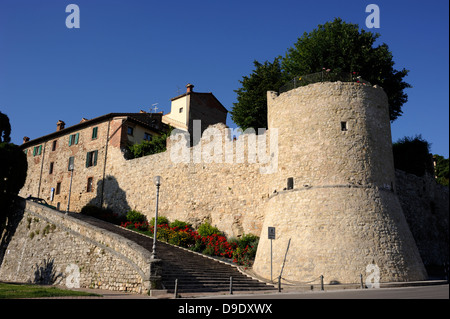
point(325, 75)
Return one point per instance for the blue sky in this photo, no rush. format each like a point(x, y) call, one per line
point(128, 55)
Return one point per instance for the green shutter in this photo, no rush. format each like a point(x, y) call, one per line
point(37, 150)
point(70, 140)
point(95, 158)
point(94, 132)
point(87, 159)
point(77, 136)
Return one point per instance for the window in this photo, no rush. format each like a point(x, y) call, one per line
point(91, 158)
point(181, 110)
point(54, 145)
point(94, 132)
point(73, 139)
point(344, 127)
point(58, 188)
point(37, 150)
point(50, 170)
point(90, 185)
point(130, 130)
point(148, 137)
point(71, 165)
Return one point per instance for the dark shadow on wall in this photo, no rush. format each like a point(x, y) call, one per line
point(111, 198)
point(46, 273)
point(15, 214)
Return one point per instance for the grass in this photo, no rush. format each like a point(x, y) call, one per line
point(13, 290)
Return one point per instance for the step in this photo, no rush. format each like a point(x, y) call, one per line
point(195, 272)
point(212, 281)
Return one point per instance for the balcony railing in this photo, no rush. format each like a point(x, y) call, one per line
point(324, 76)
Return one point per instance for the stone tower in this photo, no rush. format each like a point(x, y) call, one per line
point(342, 213)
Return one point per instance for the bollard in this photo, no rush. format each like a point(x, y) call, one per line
point(231, 285)
point(362, 283)
point(321, 282)
point(175, 295)
point(279, 284)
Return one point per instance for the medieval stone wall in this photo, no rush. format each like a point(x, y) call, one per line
point(228, 195)
point(342, 214)
point(48, 247)
point(426, 207)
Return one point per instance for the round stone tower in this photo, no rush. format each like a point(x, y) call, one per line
point(341, 212)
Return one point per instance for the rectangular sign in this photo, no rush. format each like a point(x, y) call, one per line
point(271, 232)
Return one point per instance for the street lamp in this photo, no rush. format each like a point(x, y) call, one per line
point(71, 168)
point(157, 181)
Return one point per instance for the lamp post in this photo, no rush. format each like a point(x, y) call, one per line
point(157, 181)
point(71, 168)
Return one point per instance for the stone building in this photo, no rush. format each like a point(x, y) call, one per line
point(85, 147)
point(79, 154)
point(190, 106)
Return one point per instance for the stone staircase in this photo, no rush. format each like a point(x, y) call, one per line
point(194, 272)
point(197, 273)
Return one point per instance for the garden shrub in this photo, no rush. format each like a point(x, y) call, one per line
point(206, 230)
point(136, 217)
point(207, 239)
point(162, 220)
point(180, 224)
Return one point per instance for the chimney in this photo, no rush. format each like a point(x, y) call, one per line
point(25, 139)
point(60, 125)
point(189, 88)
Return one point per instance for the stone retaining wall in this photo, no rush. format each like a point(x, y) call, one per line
point(49, 247)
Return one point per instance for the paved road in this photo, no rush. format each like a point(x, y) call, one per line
point(420, 292)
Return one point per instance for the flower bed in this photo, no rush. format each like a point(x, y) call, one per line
point(241, 251)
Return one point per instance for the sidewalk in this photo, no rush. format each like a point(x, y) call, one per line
point(107, 294)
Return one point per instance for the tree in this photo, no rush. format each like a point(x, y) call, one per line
point(342, 47)
point(251, 107)
point(13, 169)
point(156, 145)
point(5, 128)
point(441, 170)
point(412, 155)
point(336, 45)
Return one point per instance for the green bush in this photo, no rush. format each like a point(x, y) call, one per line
point(181, 238)
point(206, 230)
point(156, 145)
point(248, 240)
point(164, 233)
point(136, 217)
point(180, 224)
point(209, 250)
point(162, 220)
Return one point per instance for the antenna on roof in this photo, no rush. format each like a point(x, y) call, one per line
point(178, 90)
point(155, 106)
